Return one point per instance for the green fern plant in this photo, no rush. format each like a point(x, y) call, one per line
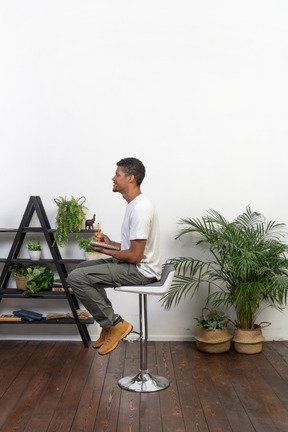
point(34, 245)
point(83, 244)
point(247, 267)
point(70, 216)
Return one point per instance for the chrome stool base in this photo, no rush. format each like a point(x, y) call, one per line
point(143, 382)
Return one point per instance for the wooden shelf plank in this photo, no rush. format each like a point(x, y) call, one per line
point(51, 321)
point(44, 260)
point(45, 294)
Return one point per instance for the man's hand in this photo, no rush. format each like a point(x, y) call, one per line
point(103, 238)
point(132, 255)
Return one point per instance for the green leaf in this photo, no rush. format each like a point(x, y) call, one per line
point(244, 264)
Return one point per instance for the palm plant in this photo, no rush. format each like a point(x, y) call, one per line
point(248, 265)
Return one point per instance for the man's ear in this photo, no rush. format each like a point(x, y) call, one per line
point(131, 178)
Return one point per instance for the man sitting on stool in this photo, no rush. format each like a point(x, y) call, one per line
point(137, 262)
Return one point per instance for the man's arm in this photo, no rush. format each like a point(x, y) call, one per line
point(132, 255)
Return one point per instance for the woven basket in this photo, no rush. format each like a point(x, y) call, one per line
point(248, 341)
point(213, 341)
point(20, 282)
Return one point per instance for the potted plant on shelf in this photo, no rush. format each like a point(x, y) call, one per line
point(213, 335)
point(247, 269)
point(34, 248)
point(38, 278)
point(70, 216)
point(19, 271)
point(90, 254)
point(33, 278)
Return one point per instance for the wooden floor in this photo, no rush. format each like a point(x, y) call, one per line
point(64, 387)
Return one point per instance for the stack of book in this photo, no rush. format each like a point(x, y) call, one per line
point(27, 315)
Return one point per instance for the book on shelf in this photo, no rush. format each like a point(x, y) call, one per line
point(10, 317)
point(60, 289)
point(28, 315)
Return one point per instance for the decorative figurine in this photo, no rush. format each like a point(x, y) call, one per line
point(89, 223)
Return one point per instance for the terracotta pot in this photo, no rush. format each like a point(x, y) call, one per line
point(213, 341)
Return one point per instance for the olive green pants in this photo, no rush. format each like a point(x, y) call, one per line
point(90, 278)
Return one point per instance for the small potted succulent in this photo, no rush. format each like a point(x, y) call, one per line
point(34, 248)
point(90, 254)
point(213, 335)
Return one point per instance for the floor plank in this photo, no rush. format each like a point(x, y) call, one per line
point(215, 414)
point(64, 387)
point(50, 397)
point(13, 401)
point(247, 392)
point(150, 414)
point(171, 411)
point(128, 419)
point(86, 412)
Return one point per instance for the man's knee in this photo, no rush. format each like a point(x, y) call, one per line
point(74, 278)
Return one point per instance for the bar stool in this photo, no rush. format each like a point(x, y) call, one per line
point(143, 381)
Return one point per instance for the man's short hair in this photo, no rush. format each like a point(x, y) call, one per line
point(133, 166)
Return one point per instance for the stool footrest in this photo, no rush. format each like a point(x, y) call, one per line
point(144, 382)
point(133, 336)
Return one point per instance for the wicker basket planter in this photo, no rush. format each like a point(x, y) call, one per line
point(213, 341)
point(20, 282)
point(248, 341)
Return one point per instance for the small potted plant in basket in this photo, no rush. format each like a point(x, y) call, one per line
point(213, 335)
point(19, 272)
point(34, 248)
point(33, 278)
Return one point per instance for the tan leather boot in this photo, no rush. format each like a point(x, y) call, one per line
point(115, 334)
point(99, 342)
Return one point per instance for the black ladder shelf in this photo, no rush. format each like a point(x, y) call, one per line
point(35, 205)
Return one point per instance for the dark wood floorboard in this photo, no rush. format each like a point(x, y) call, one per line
point(64, 387)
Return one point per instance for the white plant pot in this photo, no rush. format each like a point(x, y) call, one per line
point(35, 255)
point(92, 256)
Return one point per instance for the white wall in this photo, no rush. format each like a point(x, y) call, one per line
point(196, 89)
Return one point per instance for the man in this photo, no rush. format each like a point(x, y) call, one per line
point(137, 262)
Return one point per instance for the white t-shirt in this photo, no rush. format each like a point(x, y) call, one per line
point(141, 223)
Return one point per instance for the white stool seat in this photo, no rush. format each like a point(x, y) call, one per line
point(144, 381)
point(156, 288)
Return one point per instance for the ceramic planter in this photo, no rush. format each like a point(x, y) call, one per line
point(35, 255)
point(92, 256)
point(213, 341)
